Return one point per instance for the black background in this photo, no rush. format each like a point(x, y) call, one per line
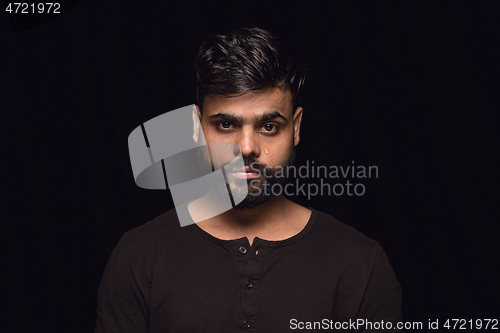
point(409, 86)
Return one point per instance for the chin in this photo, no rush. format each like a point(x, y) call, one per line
point(251, 201)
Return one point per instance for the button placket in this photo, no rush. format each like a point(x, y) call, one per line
point(250, 266)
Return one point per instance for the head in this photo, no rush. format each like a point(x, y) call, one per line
point(248, 93)
point(246, 60)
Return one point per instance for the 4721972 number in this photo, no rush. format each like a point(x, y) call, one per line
point(463, 324)
point(32, 8)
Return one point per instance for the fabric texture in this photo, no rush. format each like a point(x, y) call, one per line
point(162, 277)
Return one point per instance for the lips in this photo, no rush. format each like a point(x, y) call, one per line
point(247, 173)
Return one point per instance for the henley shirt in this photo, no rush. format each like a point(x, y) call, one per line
point(162, 277)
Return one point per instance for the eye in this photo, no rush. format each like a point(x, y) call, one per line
point(225, 126)
point(269, 129)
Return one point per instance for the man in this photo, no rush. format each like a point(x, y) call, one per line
point(269, 264)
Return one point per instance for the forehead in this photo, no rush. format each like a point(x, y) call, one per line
point(251, 105)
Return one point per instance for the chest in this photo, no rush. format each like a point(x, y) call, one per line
point(222, 290)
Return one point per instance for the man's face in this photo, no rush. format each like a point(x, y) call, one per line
point(263, 126)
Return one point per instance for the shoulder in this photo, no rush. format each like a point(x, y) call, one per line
point(342, 238)
point(155, 233)
point(349, 251)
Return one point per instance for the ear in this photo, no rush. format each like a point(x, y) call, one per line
point(297, 118)
point(196, 123)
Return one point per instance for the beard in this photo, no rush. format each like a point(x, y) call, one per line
point(257, 191)
point(260, 191)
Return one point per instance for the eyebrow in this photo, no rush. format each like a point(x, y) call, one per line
point(239, 119)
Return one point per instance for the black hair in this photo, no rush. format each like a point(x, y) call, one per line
point(246, 60)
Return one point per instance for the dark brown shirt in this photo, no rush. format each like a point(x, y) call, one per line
point(163, 277)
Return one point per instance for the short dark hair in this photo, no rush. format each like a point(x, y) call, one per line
point(246, 60)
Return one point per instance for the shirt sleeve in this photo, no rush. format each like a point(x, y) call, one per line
point(122, 302)
point(381, 307)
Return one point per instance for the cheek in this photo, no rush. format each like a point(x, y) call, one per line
point(208, 131)
point(278, 154)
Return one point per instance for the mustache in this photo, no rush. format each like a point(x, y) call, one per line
point(255, 165)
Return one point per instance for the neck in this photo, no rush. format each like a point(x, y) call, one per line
point(276, 219)
point(268, 216)
point(271, 211)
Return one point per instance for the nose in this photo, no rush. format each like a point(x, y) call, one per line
point(247, 143)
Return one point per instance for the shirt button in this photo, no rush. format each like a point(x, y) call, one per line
point(249, 284)
point(246, 324)
point(243, 250)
